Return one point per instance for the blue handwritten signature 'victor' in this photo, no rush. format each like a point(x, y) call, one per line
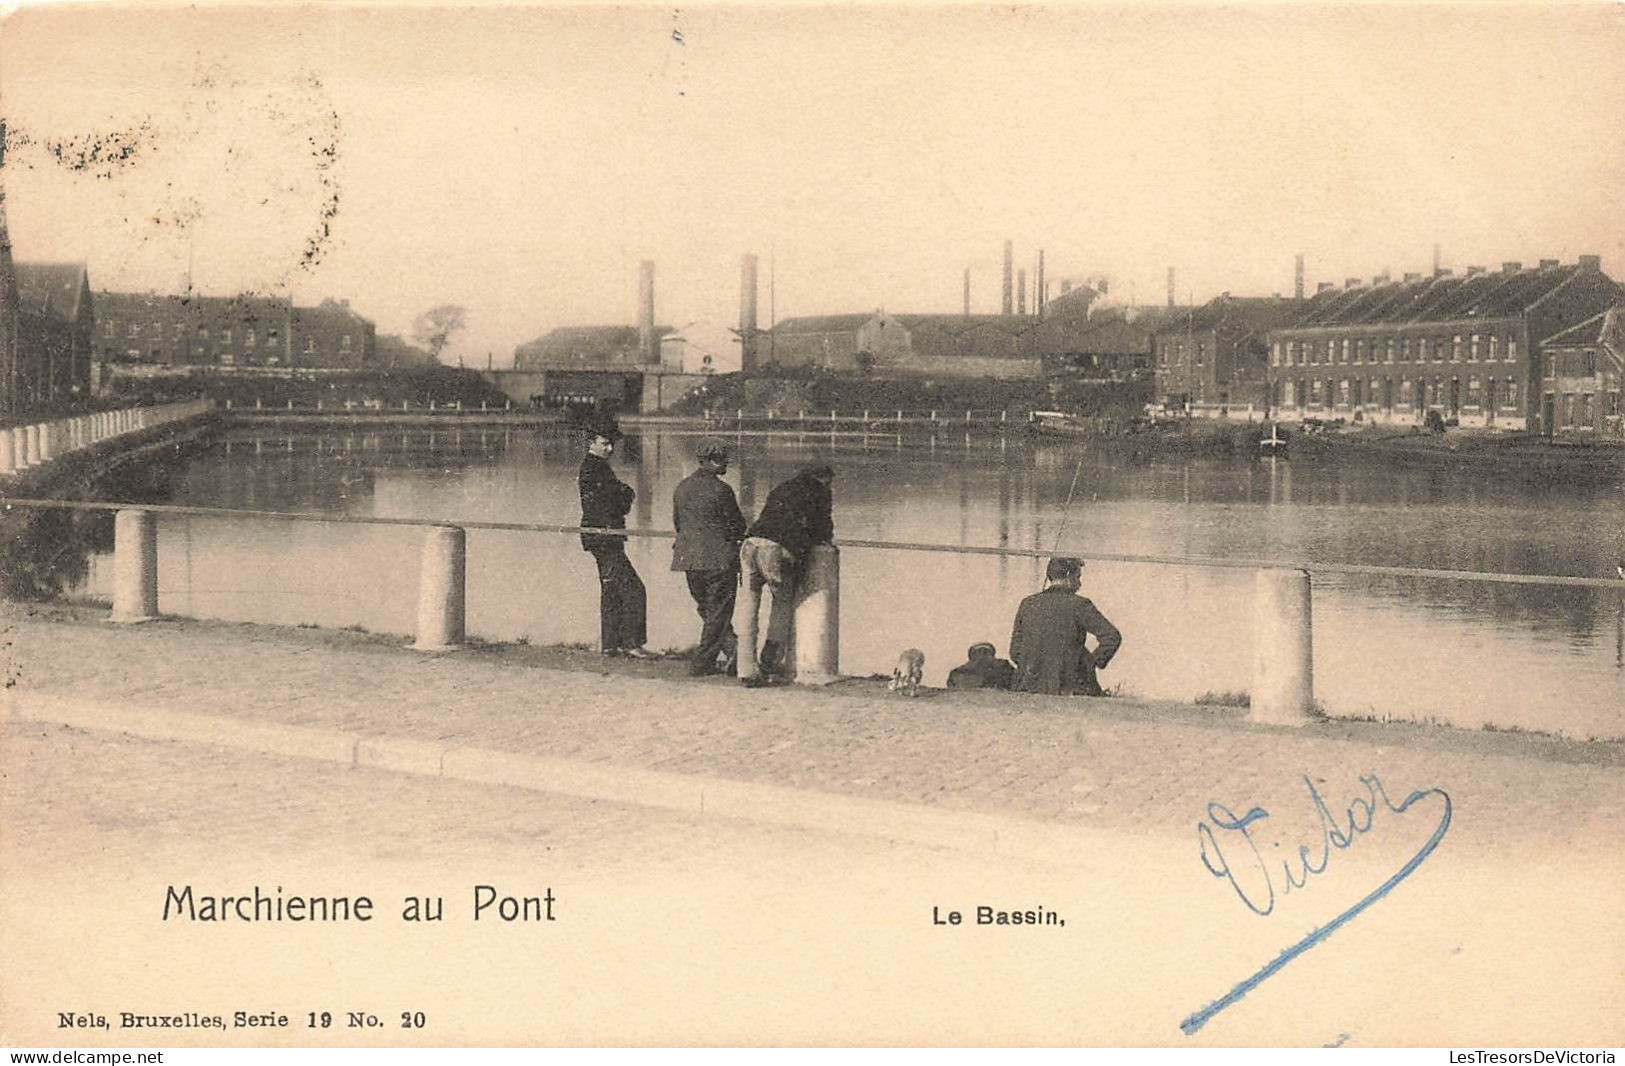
point(1261, 900)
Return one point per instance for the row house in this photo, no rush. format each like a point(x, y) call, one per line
point(998, 346)
point(1218, 354)
point(229, 332)
point(1461, 346)
point(1580, 373)
point(585, 346)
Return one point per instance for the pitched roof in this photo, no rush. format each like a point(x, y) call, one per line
point(1605, 331)
point(821, 324)
point(51, 288)
point(1257, 313)
point(1436, 299)
point(584, 342)
point(1015, 325)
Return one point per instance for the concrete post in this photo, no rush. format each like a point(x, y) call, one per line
point(47, 442)
point(440, 590)
point(135, 566)
point(818, 618)
point(8, 452)
point(1283, 690)
point(33, 454)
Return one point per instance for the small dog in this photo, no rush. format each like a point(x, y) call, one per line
point(906, 675)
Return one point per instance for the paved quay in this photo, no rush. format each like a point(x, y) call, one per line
point(709, 842)
point(1103, 764)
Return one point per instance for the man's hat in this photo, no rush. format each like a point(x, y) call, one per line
point(1063, 566)
point(982, 650)
point(822, 471)
point(601, 426)
point(711, 448)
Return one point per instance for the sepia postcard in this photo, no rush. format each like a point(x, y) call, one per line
point(1076, 524)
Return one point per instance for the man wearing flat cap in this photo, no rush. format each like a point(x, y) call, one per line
point(798, 514)
point(705, 513)
point(1049, 642)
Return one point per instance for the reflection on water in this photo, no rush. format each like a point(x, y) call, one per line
point(1535, 657)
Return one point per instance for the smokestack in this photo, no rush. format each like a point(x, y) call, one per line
point(1021, 291)
point(647, 342)
point(1297, 277)
point(967, 292)
point(747, 314)
point(1009, 262)
point(1038, 295)
point(1170, 286)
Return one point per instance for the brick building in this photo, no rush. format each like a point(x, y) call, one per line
point(1580, 373)
point(1462, 346)
point(1218, 353)
point(229, 332)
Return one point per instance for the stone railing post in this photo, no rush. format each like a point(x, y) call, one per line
point(8, 452)
point(1283, 690)
point(135, 566)
point(440, 590)
point(817, 639)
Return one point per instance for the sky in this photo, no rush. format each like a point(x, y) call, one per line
point(521, 161)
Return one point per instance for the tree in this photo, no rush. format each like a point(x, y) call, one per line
point(434, 328)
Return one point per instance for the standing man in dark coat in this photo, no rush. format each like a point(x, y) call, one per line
point(1049, 643)
point(798, 514)
point(605, 502)
point(705, 514)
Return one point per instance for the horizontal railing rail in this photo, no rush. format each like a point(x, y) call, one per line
point(1239, 563)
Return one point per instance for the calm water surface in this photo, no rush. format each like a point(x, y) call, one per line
point(1470, 653)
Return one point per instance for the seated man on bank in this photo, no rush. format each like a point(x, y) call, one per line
point(983, 669)
point(1049, 643)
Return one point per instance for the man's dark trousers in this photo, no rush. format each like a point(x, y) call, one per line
point(714, 593)
point(622, 601)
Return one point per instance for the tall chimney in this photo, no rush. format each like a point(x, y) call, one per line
point(1038, 294)
point(648, 343)
point(967, 292)
point(1009, 265)
point(1021, 291)
point(747, 314)
point(1297, 277)
point(1170, 286)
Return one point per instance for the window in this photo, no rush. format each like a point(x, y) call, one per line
point(1455, 349)
point(310, 344)
point(108, 327)
point(1345, 349)
point(248, 336)
point(227, 359)
point(1585, 409)
point(344, 342)
point(225, 335)
point(1568, 409)
point(1495, 346)
point(1441, 350)
point(1472, 351)
point(1512, 394)
point(1343, 392)
point(1548, 365)
point(203, 333)
point(1388, 352)
point(1421, 349)
point(1512, 349)
point(1472, 392)
point(270, 337)
point(1359, 350)
point(1405, 392)
point(1275, 354)
point(1405, 352)
point(1589, 363)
